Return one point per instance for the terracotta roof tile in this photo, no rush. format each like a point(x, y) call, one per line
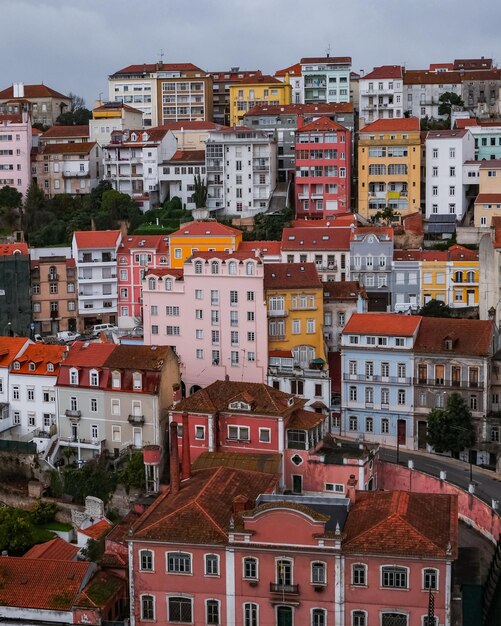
point(67, 148)
point(89, 239)
point(40, 355)
point(97, 530)
point(85, 354)
point(343, 290)
point(384, 71)
point(55, 549)
point(304, 420)
point(361, 231)
point(392, 324)
point(322, 108)
point(403, 524)
point(407, 255)
point(155, 67)
point(188, 156)
point(66, 131)
point(291, 276)
point(310, 238)
point(10, 348)
point(395, 124)
point(488, 198)
point(263, 247)
point(469, 337)
point(158, 243)
point(138, 358)
point(460, 253)
point(7, 249)
point(466, 122)
point(292, 70)
point(322, 123)
point(425, 77)
point(447, 133)
point(209, 229)
point(259, 79)
point(336, 60)
point(32, 92)
point(264, 462)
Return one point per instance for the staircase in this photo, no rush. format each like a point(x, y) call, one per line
point(51, 451)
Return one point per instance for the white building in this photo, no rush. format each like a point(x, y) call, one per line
point(446, 153)
point(326, 79)
point(95, 254)
point(381, 94)
point(110, 116)
point(10, 349)
point(423, 88)
point(136, 85)
point(241, 165)
point(132, 160)
point(295, 78)
point(177, 175)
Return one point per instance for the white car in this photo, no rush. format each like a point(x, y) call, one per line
point(67, 335)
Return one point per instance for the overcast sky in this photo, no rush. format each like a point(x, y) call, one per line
point(73, 45)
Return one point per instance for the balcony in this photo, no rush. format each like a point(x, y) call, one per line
point(89, 444)
point(276, 337)
point(53, 277)
point(136, 419)
point(288, 590)
point(73, 414)
point(278, 313)
point(444, 382)
point(400, 380)
point(69, 174)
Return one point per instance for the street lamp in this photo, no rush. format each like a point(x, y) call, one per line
point(9, 329)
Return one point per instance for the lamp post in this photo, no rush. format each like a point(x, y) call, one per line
point(9, 329)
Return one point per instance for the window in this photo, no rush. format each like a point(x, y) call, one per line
point(393, 619)
point(401, 396)
point(318, 617)
point(353, 423)
point(93, 405)
point(31, 393)
point(401, 370)
point(385, 425)
point(172, 330)
point(147, 608)
point(212, 612)
point(359, 574)
point(385, 395)
point(73, 377)
point(250, 614)
point(264, 435)
point(318, 573)
point(284, 572)
point(430, 579)
point(146, 560)
point(395, 577)
point(199, 432)
point(353, 393)
point(94, 378)
point(179, 562)
point(15, 393)
point(211, 565)
point(233, 297)
point(180, 609)
point(452, 171)
point(369, 395)
point(214, 267)
point(198, 267)
point(238, 433)
point(385, 369)
point(358, 618)
point(297, 387)
point(200, 353)
point(250, 568)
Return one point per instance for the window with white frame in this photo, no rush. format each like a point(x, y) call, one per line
point(212, 612)
point(394, 577)
point(179, 562)
point(211, 565)
point(251, 614)
point(358, 618)
point(318, 573)
point(94, 378)
point(401, 396)
point(318, 617)
point(353, 423)
point(73, 377)
point(353, 393)
point(238, 433)
point(199, 432)
point(394, 619)
point(264, 435)
point(250, 568)
point(430, 579)
point(359, 574)
point(148, 608)
point(146, 560)
point(180, 609)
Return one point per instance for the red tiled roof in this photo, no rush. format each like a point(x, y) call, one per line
point(470, 337)
point(284, 354)
point(392, 324)
point(209, 229)
point(425, 77)
point(138, 358)
point(10, 348)
point(291, 276)
point(395, 124)
point(472, 64)
point(159, 243)
point(89, 239)
point(97, 530)
point(40, 355)
point(292, 70)
point(263, 247)
point(224, 256)
point(407, 255)
point(322, 108)
point(55, 549)
point(33, 92)
point(337, 60)
point(191, 125)
point(66, 131)
point(7, 249)
point(306, 238)
point(322, 123)
point(232, 77)
point(403, 524)
point(264, 400)
point(115, 106)
point(490, 164)
point(488, 198)
point(304, 420)
point(343, 290)
point(13, 119)
point(41, 583)
point(384, 71)
point(176, 273)
point(201, 511)
point(373, 230)
point(155, 67)
point(188, 156)
point(460, 253)
point(434, 255)
point(466, 122)
point(446, 133)
point(340, 219)
point(259, 79)
point(441, 66)
point(143, 137)
point(86, 354)
point(83, 147)
point(36, 131)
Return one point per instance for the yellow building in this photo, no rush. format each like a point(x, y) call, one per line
point(434, 276)
point(488, 201)
point(451, 276)
point(201, 237)
point(262, 89)
point(294, 298)
point(389, 172)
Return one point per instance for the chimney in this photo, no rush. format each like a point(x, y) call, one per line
point(186, 460)
point(174, 460)
point(239, 504)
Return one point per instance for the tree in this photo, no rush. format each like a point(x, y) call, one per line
point(387, 215)
point(451, 429)
point(16, 531)
point(435, 308)
point(200, 194)
point(449, 101)
point(10, 197)
point(117, 205)
point(77, 115)
point(76, 102)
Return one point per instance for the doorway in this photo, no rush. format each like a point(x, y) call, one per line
point(401, 432)
point(284, 616)
point(421, 434)
point(297, 483)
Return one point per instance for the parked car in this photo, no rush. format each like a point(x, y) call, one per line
point(38, 339)
point(67, 335)
point(99, 327)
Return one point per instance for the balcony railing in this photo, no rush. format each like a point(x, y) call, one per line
point(136, 419)
point(287, 589)
point(278, 313)
point(444, 382)
point(53, 277)
point(403, 380)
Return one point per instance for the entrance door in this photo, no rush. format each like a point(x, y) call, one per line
point(470, 293)
point(284, 616)
point(421, 435)
point(297, 483)
point(401, 432)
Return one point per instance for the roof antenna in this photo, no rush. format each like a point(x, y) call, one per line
point(161, 55)
point(328, 51)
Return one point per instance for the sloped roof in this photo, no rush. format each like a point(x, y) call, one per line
point(89, 239)
point(460, 253)
point(264, 400)
point(392, 324)
point(361, 231)
point(86, 354)
point(322, 123)
point(322, 108)
point(83, 147)
point(41, 583)
point(291, 276)
point(343, 290)
point(41, 355)
point(258, 79)
point(446, 133)
point(384, 71)
point(159, 243)
point(267, 462)
point(97, 530)
point(304, 419)
point(188, 156)
point(335, 60)
point(197, 125)
point(55, 549)
point(292, 70)
point(309, 238)
point(394, 124)
point(402, 523)
point(209, 229)
point(8, 249)
point(99, 591)
point(423, 77)
point(33, 91)
point(469, 337)
point(488, 198)
point(9, 348)
point(66, 131)
point(141, 358)
point(157, 67)
point(264, 247)
point(201, 511)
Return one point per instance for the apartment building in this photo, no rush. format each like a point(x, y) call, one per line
point(326, 79)
point(389, 167)
point(10, 349)
point(241, 166)
point(381, 94)
point(54, 293)
point(15, 301)
point(191, 135)
point(44, 104)
point(68, 168)
point(298, 360)
point(341, 300)
point(184, 92)
point(212, 312)
point(446, 187)
point(95, 254)
point(285, 120)
point(423, 88)
point(15, 151)
point(111, 116)
point(487, 135)
point(256, 90)
point(406, 283)
point(488, 202)
point(135, 254)
point(323, 169)
point(177, 176)
point(209, 236)
point(136, 86)
point(221, 82)
point(293, 76)
point(132, 163)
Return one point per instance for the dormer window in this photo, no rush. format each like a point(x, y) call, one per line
point(448, 344)
point(73, 377)
point(152, 283)
point(50, 367)
point(94, 378)
point(168, 284)
point(232, 267)
point(31, 366)
point(249, 268)
point(163, 260)
point(137, 380)
point(16, 365)
point(123, 260)
point(290, 401)
point(116, 380)
point(239, 406)
point(214, 267)
point(198, 267)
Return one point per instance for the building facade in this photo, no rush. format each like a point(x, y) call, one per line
point(221, 82)
point(68, 168)
point(381, 94)
point(15, 151)
point(255, 90)
point(15, 302)
point(326, 79)
point(210, 236)
point(488, 202)
point(44, 104)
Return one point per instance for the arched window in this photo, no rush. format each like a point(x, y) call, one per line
point(168, 284)
point(163, 260)
point(146, 560)
point(303, 355)
point(358, 618)
point(137, 380)
point(430, 579)
point(249, 268)
point(232, 267)
point(458, 277)
point(214, 267)
point(198, 267)
point(152, 283)
point(115, 380)
point(470, 277)
point(50, 367)
point(251, 611)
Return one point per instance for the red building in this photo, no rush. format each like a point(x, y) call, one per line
point(135, 254)
point(323, 169)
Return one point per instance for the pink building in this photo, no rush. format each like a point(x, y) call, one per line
point(135, 254)
point(213, 312)
point(323, 169)
point(15, 151)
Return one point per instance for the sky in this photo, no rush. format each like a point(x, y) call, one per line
point(73, 46)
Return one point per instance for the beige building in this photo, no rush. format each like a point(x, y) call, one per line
point(72, 168)
point(110, 116)
point(44, 103)
point(488, 201)
point(191, 135)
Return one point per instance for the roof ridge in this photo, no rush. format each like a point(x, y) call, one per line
point(213, 521)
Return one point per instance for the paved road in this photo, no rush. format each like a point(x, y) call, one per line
point(487, 484)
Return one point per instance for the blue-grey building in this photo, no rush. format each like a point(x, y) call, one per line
point(406, 281)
